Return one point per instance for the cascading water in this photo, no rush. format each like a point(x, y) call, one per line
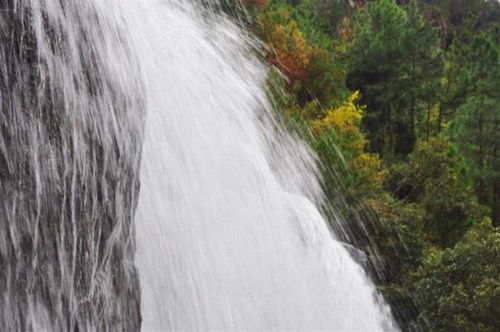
point(229, 237)
point(228, 232)
point(71, 120)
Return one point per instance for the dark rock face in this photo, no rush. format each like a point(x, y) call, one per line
point(70, 141)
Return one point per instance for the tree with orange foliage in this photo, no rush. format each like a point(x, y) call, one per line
point(287, 48)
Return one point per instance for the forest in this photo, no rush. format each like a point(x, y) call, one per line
point(400, 101)
point(163, 169)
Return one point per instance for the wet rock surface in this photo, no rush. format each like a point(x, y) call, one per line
point(70, 143)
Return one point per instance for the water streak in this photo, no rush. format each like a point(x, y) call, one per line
point(71, 121)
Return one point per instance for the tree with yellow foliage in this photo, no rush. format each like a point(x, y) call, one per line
point(341, 128)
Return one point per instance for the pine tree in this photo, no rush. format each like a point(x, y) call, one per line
point(476, 128)
point(396, 64)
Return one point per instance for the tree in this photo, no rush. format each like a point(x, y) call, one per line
point(436, 178)
point(341, 128)
point(396, 64)
point(455, 14)
point(458, 288)
point(476, 128)
point(306, 55)
point(287, 48)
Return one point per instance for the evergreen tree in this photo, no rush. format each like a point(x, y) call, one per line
point(476, 128)
point(396, 64)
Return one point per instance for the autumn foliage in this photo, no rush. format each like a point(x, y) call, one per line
point(287, 48)
point(342, 125)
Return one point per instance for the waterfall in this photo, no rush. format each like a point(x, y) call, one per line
point(225, 232)
point(71, 120)
point(228, 231)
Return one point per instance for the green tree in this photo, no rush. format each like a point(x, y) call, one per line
point(396, 64)
point(455, 14)
point(476, 128)
point(435, 177)
point(453, 88)
point(458, 288)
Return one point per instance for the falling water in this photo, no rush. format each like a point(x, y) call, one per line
point(228, 230)
point(227, 227)
point(71, 121)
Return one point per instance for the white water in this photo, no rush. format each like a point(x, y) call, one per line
point(229, 236)
point(228, 233)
